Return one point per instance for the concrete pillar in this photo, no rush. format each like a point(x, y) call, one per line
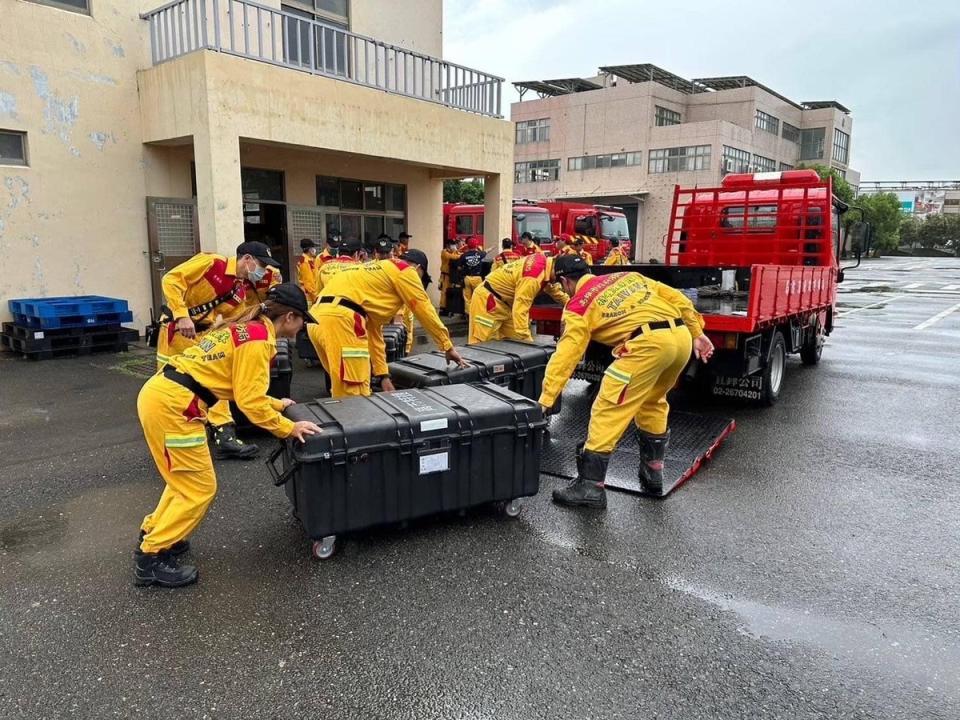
point(498, 210)
point(219, 191)
point(425, 223)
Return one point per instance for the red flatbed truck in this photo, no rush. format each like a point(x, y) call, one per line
point(759, 256)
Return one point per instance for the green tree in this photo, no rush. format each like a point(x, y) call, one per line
point(841, 188)
point(465, 191)
point(909, 231)
point(941, 231)
point(883, 212)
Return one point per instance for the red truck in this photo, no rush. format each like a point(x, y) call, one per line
point(596, 224)
point(759, 257)
point(463, 221)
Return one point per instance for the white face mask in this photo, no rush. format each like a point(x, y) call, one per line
point(257, 274)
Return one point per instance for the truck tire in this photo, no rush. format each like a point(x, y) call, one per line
point(774, 370)
point(812, 347)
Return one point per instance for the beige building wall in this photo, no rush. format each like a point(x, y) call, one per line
point(106, 130)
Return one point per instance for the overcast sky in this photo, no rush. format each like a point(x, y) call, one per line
point(896, 65)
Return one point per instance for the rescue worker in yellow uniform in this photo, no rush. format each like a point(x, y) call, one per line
point(197, 292)
point(652, 329)
point(506, 255)
point(576, 249)
point(352, 310)
point(528, 246)
point(348, 252)
point(403, 245)
point(307, 266)
point(229, 363)
point(382, 248)
point(448, 256)
point(330, 251)
point(616, 255)
point(471, 269)
point(500, 307)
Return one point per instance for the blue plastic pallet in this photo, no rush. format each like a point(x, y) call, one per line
point(71, 306)
point(73, 321)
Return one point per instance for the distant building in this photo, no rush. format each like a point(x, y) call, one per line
point(627, 136)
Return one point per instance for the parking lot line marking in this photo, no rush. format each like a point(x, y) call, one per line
point(912, 286)
point(937, 318)
point(851, 311)
point(950, 287)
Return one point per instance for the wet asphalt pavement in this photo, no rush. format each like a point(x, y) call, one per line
point(809, 571)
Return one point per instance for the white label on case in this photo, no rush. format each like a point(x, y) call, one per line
point(436, 462)
point(438, 424)
point(38, 336)
point(499, 368)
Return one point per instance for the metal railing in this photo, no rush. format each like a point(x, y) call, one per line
point(259, 32)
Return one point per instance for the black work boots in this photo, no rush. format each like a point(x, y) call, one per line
point(162, 569)
point(653, 448)
point(228, 446)
point(177, 549)
point(587, 490)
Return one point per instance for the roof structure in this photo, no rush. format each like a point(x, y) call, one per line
point(732, 82)
point(562, 86)
point(650, 73)
point(819, 104)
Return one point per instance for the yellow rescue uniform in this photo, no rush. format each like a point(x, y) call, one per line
point(500, 307)
point(616, 257)
point(231, 363)
point(202, 288)
point(448, 260)
point(327, 270)
point(307, 267)
point(507, 256)
point(351, 312)
point(611, 309)
point(587, 258)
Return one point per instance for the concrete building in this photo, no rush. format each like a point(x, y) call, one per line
point(627, 136)
point(134, 133)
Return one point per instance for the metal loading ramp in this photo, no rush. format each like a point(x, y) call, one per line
point(693, 439)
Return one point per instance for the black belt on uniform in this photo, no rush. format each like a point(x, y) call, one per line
point(187, 381)
point(347, 303)
point(493, 292)
point(657, 325)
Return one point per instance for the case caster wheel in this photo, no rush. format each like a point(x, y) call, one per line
point(324, 549)
point(513, 508)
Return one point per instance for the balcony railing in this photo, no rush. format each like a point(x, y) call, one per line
point(258, 32)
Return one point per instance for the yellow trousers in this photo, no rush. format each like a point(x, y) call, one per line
point(635, 387)
point(173, 343)
point(491, 319)
point(408, 324)
point(340, 338)
point(470, 284)
point(176, 436)
point(444, 284)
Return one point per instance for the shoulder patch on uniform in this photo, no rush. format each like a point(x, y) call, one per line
point(401, 264)
point(580, 302)
point(217, 275)
point(247, 332)
point(534, 265)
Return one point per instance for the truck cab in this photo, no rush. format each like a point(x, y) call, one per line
point(596, 224)
point(461, 221)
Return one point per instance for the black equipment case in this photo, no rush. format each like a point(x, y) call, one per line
point(407, 454)
point(281, 376)
point(517, 365)
point(394, 336)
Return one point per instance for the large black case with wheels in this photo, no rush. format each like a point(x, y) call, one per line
point(517, 365)
point(281, 375)
point(408, 454)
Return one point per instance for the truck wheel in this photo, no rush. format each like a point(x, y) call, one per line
point(812, 347)
point(774, 371)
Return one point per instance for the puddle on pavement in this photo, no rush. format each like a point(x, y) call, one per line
point(33, 532)
point(928, 658)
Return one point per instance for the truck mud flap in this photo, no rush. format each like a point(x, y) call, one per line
point(694, 438)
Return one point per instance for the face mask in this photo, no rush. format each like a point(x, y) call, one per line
point(257, 274)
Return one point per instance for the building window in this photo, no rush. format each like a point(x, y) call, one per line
point(589, 162)
point(764, 164)
point(784, 166)
point(841, 146)
point(735, 161)
point(13, 147)
point(260, 184)
point(767, 123)
point(362, 209)
point(791, 133)
point(82, 6)
point(533, 131)
point(666, 116)
point(811, 143)
point(329, 51)
point(536, 171)
point(679, 159)
point(840, 171)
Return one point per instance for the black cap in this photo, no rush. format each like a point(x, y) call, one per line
point(569, 266)
point(507, 243)
point(578, 241)
point(405, 235)
point(292, 296)
point(258, 250)
point(308, 243)
point(417, 257)
point(526, 236)
point(351, 245)
point(383, 245)
point(333, 242)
